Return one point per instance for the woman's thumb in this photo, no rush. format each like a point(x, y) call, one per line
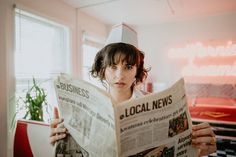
point(55, 113)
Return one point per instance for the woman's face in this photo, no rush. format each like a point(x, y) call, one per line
point(120, 76)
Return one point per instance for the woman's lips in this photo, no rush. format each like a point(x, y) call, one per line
point(120, 84)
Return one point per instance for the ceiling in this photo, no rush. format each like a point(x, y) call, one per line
point(150, 12)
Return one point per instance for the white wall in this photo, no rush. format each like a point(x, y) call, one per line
point(92, 27)
point(6, 76)
point(156, 40)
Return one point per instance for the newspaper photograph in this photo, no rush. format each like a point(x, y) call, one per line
point(156, 125)
point(68, 147)
point(89, 118)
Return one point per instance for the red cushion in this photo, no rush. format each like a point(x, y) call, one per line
point(21, 141)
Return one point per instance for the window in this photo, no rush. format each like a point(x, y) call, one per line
point(90, 48)
point(42, 52)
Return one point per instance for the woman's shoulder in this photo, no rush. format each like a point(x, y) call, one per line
point(138, 93)
point(144, 93)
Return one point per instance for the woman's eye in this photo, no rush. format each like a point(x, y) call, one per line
point(129, 67)
point(113, 66)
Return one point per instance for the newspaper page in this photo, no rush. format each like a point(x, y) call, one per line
point(89, 118)
point(157, 125)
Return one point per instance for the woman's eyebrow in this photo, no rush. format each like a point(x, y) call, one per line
point(130, 64)
point(113, 63)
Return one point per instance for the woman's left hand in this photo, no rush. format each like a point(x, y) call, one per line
point(204, 139)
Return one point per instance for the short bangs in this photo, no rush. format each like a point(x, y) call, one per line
point(123, 52)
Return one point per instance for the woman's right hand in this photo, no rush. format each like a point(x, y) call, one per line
point(58, 131)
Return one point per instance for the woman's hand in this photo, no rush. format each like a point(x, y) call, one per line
point(58, 131)
point(204, 139)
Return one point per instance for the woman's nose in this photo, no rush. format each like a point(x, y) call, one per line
point(119, 73)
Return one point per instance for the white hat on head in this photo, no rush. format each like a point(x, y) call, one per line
point(122, 33)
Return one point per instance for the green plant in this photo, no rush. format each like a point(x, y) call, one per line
point(34, 101)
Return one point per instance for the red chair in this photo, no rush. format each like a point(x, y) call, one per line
point(31, 139)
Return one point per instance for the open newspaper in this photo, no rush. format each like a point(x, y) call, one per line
point(156, 125)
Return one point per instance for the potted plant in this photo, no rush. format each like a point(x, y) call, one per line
point(34, 101)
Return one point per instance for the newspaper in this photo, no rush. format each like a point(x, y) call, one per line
point(156, 125)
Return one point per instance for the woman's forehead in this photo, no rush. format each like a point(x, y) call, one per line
point(122, 57)
point(119, 57)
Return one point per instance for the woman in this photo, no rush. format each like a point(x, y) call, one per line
point(120, 67)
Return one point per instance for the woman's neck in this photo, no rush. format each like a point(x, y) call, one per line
point(120, 96)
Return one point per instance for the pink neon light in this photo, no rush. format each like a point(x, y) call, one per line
point(198, 50)
point(200, 60)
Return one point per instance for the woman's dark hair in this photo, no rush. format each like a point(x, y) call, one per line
point(106, 57)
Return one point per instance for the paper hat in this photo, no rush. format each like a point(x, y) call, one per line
point(123, 33)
